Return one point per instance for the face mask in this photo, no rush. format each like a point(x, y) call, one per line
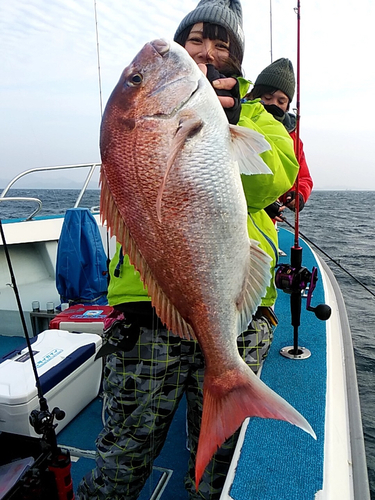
point(275, 111)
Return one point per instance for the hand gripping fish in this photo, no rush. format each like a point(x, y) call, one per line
point(172, 195)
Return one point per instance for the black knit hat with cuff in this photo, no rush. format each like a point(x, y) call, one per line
point(279, 75)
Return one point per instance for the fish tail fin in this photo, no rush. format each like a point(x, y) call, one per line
point(227, 401)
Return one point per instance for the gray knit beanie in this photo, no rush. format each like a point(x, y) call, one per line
point(279, 75)
point(226, 13)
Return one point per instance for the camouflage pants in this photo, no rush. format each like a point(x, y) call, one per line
point(143, 389)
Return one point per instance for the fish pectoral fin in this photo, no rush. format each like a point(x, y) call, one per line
point(228, 400)
point(255, 285)
point(247, 145)
point(189, 125)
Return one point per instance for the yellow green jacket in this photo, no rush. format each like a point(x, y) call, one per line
point(127, 287)
point(260, 191)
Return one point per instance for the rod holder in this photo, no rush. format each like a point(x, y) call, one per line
point(289, 352)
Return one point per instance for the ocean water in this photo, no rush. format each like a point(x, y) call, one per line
point(338, 222)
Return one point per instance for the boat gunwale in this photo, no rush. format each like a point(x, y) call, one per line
point(92, 167)
point(361, 487)
point(358, 486)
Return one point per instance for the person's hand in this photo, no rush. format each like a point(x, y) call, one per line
point(225, 84)
point(220, 84)
point(280, 217)
point(275, 211)
point(227, 90)
point(290, 201)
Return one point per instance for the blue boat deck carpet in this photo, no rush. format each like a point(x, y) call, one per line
point(278, 460)
point(81, 434)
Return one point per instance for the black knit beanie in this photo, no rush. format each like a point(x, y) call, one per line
point(226, 13)
point(279, 75)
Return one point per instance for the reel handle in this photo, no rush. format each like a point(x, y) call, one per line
point(294, 280)
point(321, 311)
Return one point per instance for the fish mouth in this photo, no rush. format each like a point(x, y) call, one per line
point(162, 47)
point(183, 102)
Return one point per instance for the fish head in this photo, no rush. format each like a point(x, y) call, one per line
point(145, 123)
point(158, 82)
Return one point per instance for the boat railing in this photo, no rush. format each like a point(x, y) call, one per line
point(3, 197)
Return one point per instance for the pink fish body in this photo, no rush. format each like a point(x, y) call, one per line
point(172, 195)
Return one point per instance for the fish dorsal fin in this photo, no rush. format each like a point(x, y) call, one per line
point(247, 144)
point(255, 286)
point(189, 125)
point(165, 310)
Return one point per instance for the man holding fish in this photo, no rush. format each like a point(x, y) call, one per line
point(195, 291)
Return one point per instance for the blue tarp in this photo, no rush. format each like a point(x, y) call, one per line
point(81, 266)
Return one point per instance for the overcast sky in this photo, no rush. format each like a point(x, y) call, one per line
point(49, 90)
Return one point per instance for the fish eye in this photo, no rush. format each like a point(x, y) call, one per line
point(135, 80)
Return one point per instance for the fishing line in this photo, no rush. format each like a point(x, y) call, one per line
point(42, 420)
point(20, 310)
point(101, 110)
point(330, 258)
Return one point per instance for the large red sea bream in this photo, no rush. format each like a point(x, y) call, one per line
point(172, 195)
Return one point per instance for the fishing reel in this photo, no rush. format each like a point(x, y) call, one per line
point(289, 279)
point(295, 280)
point(42, 420)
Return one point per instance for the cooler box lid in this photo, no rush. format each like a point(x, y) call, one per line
point(81, 314)
point(57, 354)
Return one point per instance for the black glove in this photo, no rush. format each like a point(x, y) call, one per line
point(290, 196)
point(273, 210)
point(119, 337)
point(233, 113)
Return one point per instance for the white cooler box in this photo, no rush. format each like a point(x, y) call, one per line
point(69, 377)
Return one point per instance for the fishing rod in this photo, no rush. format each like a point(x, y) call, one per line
point(271, 31)
point(101, 114)
point(41, 420)
point(328, 256)
point(293, 278)
point(98, 59)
